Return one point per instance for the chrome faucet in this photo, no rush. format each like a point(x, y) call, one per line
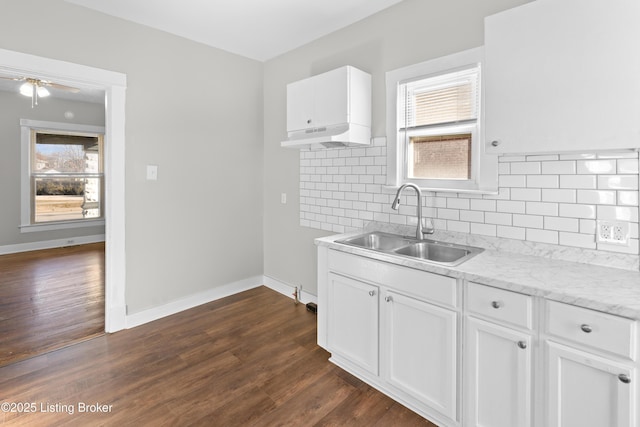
point(420, 232)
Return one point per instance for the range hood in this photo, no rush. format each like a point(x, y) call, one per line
point(344, 135)
point(329, 110)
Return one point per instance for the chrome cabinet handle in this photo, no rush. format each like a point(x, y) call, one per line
point(495, 143)
point(624, 378)
point(522, 344)
point(308, 121)
point(388, 299)
point(372, 293)
point(586, 328)
point(496, 304)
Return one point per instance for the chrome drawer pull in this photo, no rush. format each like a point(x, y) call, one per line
point(624, 378)
point(372, 293)
point(522, 344)
point(388, 299)
point(586, 328)
point(496, 304)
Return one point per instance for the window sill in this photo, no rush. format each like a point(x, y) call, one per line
point(50, 226)
point(392, 189)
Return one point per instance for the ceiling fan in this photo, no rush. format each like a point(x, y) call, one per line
point(36, 88)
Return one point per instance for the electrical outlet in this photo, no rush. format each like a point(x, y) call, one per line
point(613, 232)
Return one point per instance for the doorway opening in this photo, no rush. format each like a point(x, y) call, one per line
point(113, 85)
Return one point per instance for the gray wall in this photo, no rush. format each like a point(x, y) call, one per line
point(405, 34)
point(191, 230)
point(15, 107)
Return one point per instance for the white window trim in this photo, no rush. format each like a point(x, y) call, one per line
point(25, 182)
point(485, 166)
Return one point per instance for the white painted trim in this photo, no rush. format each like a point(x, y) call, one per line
point(114, 84)
point(33, 228)
point(287, 290)
point(173, 307)
point(49, 244)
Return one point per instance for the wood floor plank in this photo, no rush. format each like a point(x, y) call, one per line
point(50, 299)
point(246, 360)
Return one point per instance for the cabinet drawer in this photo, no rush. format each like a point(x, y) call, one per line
point(422, 284)
point(592, 328)
point(500, 305)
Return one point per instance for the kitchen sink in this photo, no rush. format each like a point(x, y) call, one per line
point(426, 250)
point(377, 241)
point(442, 253)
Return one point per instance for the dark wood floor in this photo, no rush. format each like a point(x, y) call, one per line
point(247, 360)
point(49, 299)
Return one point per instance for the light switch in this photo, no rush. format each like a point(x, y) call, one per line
point(152, 172)
point(283, 198)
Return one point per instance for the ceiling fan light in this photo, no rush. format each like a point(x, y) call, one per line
point(43, 92)
point(26, 89)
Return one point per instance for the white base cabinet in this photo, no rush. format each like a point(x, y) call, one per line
point(498, 373)
point(586, 390)
point(395, 328)
point(421, 350)
point(353, 321)
point(466, 354)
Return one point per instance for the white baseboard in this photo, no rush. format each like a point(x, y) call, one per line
point(50, 244)
point(287, 290)
point(137, 319)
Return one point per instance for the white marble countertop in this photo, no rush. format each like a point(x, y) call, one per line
point(611, 290)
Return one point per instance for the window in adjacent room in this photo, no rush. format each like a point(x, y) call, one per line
point(63, 178)
point(434, 128)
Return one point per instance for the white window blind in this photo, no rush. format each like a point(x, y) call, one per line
point(444, 99)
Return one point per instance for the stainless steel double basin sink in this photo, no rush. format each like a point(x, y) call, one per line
point(426, 250)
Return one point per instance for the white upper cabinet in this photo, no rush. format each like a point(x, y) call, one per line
point(563, 75)
point(330, 109)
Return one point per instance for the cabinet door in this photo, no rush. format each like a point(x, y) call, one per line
point(585, 390)
point(420, 347)
point(299, 105)
point(330, 98)
point(353, 321)
point(497, 379)
point(563, 75)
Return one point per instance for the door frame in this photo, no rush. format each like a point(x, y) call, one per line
point(114, 84)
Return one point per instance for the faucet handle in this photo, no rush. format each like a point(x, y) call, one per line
point(430, 228)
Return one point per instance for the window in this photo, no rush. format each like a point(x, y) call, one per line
point(433, 125)
point(63, 179)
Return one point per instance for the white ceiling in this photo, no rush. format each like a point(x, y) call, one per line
point(257, 29)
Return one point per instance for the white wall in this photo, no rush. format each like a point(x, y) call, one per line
point(410, 32)
point(190, 231)
point(15, 107)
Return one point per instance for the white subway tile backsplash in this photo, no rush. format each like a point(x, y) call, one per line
point(526, 168)
point(543, 181)
point(542, 236)
point(511, 206)
point(578, 181)
point(559, 195)
point(628, 198)
point(526, 194)
point(596, 166)
point(561, 224)
point(586, 241)
point(558, 167)
point(618, 213)
point(627, 166)
point(618, 182)
point(577, 211)
point(597, 197)
point(552, 199)
point(528, 221)
point(511, 232)
point(542, 208)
